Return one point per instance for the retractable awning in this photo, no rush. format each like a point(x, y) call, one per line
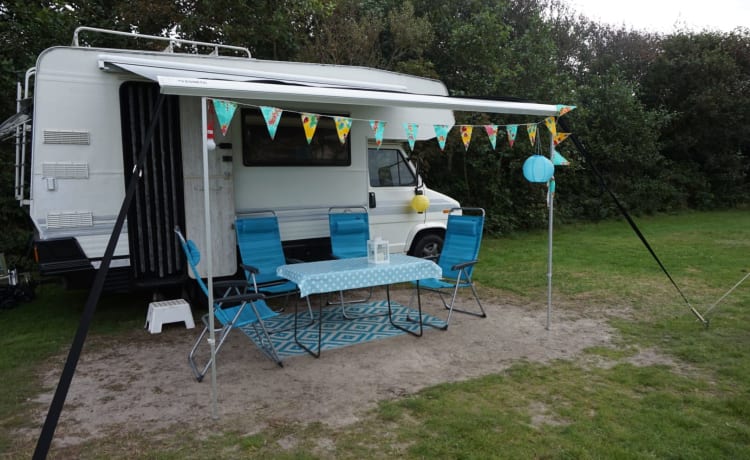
point(186, 86)
point(153, 68)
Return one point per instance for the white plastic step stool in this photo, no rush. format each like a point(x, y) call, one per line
point(168, 311)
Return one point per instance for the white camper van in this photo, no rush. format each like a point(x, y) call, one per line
point(93, 108)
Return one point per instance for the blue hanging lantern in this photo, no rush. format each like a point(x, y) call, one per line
point(537, 168)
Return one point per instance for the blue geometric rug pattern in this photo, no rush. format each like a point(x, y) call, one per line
point(337, 331)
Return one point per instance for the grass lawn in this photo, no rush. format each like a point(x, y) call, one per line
point(696, 407)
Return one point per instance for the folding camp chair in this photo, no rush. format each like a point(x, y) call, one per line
point(235, 307)
point(463, 236)
point(350, 229)
point(259, 243)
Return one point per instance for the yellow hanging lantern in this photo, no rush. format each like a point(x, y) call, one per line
point(420, 202)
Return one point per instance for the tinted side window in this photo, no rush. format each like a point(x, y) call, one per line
point(289, 147)
point(388, 168)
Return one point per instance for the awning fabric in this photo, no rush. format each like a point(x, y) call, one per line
point(153, 68)
point(186, 86)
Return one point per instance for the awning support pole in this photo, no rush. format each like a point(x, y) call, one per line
point(209, 259)
point(550, 205)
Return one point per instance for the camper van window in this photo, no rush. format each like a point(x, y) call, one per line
point(388, 168)
point(289, 147)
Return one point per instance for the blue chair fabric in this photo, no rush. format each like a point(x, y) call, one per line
point(349, 229)
point(459, 255)
point(259, 244)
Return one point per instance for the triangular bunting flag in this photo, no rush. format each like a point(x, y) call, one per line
point(310, 123)
point(551, 125)
point(559, 137)
point(378, 127)
point(563, 109)
point(532, 133)
point(411, 133)
point(492, 134)
point(441, 134)
point(559, 160)
point(466, 135)
point(512, 131)
point(343, 126)
point(224, 113)
point(272, 116)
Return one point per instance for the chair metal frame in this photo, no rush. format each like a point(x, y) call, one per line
point(456, 273)
point(230, 309)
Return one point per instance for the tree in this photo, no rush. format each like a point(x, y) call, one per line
point(702, 81)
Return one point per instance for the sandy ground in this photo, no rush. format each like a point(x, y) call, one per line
point(142, 383)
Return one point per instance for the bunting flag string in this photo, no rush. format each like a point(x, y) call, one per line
point(272, 115)
point(531, 129)
point(310, 123)
point(441, 133)
point(512, 130)
point(492, 134)
point(224, 112)
point(411, 133)
point(466, 131)
point(343, 126)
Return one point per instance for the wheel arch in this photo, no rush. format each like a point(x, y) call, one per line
point(420, 231)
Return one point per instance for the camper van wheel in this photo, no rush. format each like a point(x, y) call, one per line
point(428, 246)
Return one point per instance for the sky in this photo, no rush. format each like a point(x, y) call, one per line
point(666, 16)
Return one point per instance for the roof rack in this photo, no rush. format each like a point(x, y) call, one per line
point(171, 41)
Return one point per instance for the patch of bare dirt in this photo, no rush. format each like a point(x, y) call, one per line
point(143, 384)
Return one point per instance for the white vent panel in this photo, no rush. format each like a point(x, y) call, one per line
point(66, 170)
point(66, 137)
point(70, 219)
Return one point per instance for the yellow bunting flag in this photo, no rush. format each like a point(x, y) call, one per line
point(343, 126)
point(310, 122)
point(532, 133)
point(559, 137)
point(551, 125)
point(466, 135)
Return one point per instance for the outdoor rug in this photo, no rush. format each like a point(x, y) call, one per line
point(338, 332)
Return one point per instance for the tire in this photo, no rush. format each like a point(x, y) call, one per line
point(428, 246)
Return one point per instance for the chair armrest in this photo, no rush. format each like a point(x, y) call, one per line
point(250, 297)
point(463, 265)
point(231, 283)
point(250, 268)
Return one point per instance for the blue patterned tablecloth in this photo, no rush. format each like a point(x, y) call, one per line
point(344, 274)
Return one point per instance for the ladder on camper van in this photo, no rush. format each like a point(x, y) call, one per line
point(22, 122)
